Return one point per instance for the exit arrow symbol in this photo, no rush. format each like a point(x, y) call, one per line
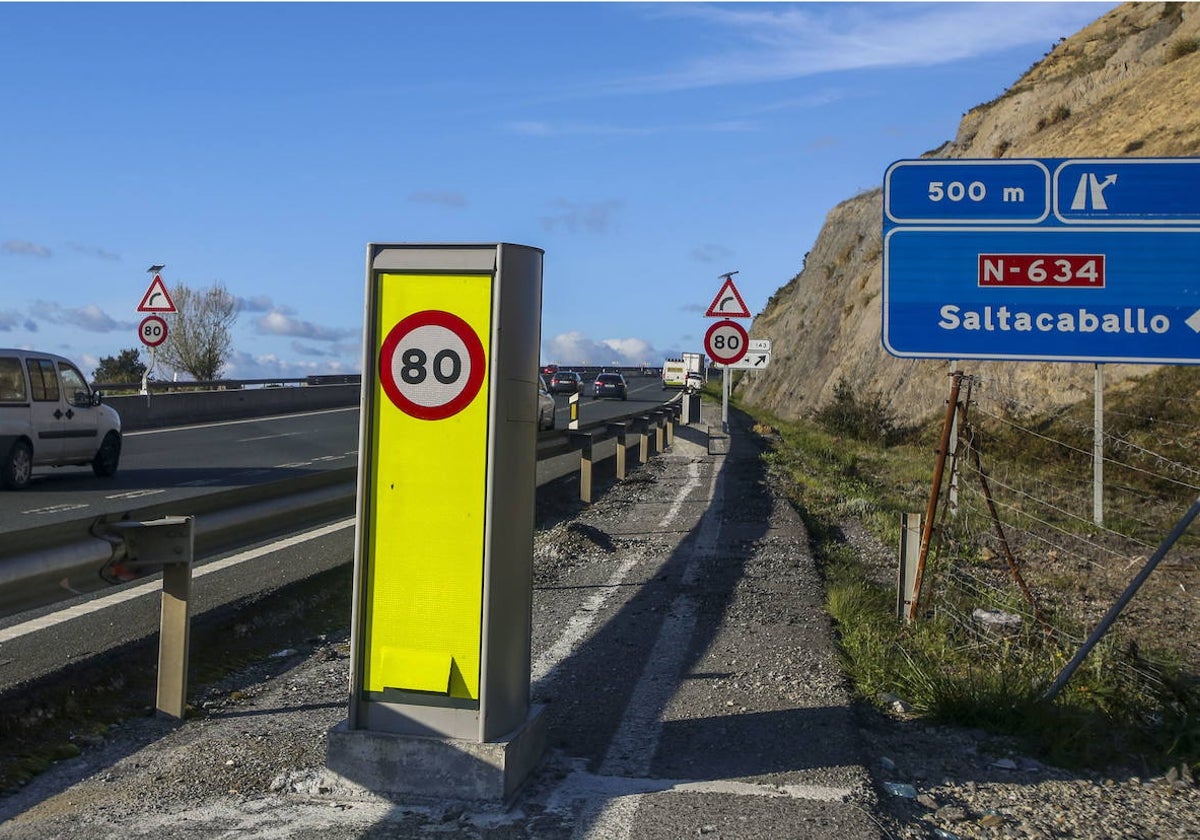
point(1194, 321)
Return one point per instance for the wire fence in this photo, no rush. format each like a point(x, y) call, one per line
point(1028, 549)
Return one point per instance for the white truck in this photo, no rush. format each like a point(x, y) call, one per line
point(674, 374)
point(675, 371)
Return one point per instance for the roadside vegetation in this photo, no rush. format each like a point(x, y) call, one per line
point(1136, 700)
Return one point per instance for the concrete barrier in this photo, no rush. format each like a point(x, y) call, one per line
point(155, 410)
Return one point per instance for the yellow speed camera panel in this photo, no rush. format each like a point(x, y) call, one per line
point(426, 485)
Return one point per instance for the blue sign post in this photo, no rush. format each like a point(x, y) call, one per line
point(1043, 260)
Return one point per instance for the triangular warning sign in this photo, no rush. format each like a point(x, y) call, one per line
point(156, 298)
point(728, 303)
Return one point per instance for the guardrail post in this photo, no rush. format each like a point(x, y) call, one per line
point(584, 441)
point(658, 430)
point(167, 542)
point(643, 427)
point(910, 547)
point(670, 418)
point(618, 429)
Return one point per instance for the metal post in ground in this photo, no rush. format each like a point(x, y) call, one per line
point(618, 430)
point(935, 490)
point(584, 441)
point(1126, 596)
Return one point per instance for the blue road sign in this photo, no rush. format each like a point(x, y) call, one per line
point(1138, 191)
point(1109, 272)
point(966, 191)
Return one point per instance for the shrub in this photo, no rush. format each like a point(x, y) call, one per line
point(868, 418)
point(1182, 47)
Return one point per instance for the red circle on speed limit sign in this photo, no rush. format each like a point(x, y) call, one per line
point(431, 365)
point(152, 331)
point(726, 342)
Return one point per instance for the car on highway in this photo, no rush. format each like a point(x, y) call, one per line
point(693, 382)
point(549, 370)
point(566, 382)
point(50, 417)
point(610, 385)
point(545, 405)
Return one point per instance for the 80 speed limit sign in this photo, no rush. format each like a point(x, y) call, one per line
point(431, 365)
point(152, 331)
point(726, 342)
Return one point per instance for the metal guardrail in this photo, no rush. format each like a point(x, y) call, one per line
point(35, 561)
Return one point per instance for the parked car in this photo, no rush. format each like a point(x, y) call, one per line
point(565, 382)
point(545, 406)
point(610, 385)
point(49, 416)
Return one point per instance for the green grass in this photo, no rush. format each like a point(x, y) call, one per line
point(1100, 718)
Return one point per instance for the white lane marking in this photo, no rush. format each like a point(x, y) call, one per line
point(636, 740)
point(292, 466)
point(56, 508)
point(581, 784)
point(135, 494)
point(268, 437)
point(691, 484)
point(580, 623)
point(154, 587)
point(170, 429)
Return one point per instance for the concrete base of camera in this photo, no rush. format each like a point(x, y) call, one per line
point(394, 764)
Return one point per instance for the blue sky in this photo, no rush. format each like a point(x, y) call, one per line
point(647, 148)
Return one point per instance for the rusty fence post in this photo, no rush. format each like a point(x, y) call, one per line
point(935, 491)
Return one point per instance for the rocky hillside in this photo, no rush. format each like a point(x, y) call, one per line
point(1127, 85)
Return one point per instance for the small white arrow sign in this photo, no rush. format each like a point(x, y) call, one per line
point(751, 361)
point(1194, 321)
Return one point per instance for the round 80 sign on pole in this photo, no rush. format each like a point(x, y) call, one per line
point(152, 331)
point(431, 365)
point(726, 342)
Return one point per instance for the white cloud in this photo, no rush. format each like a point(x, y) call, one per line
point(773, 43)
point(24, 248)
point(258, 303)
point(242, 365)
point(574, 348)
point(90, 318)
point(280, 322)
point(93, 251)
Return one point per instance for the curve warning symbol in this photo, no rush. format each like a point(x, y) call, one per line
point(431, 365)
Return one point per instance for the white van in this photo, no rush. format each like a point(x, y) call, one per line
point(50, 417)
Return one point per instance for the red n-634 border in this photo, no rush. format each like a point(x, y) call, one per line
point(431, 364)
